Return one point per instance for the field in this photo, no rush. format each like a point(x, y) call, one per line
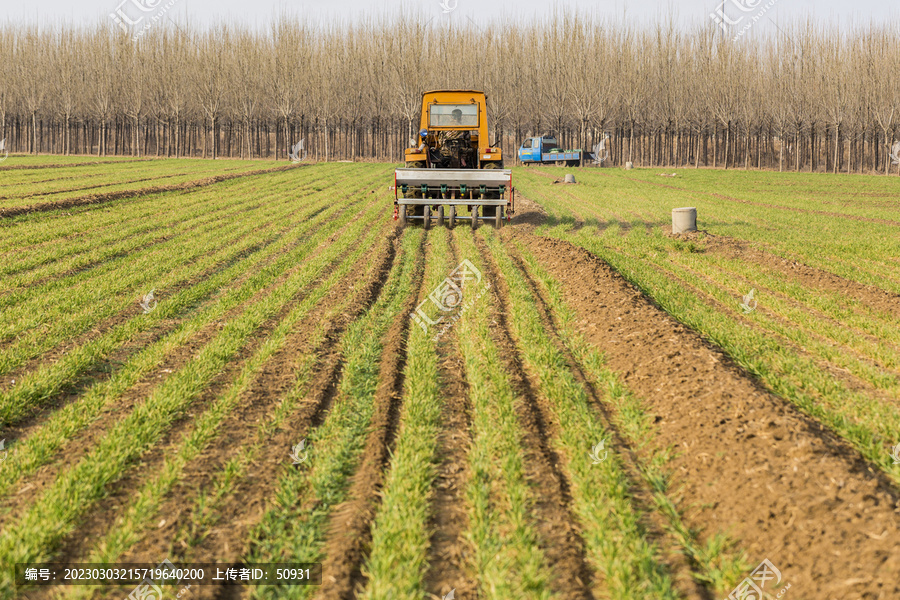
point(593, 416)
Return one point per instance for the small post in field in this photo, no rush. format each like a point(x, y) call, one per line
point(684, 219)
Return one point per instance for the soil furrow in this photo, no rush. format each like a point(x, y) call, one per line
point(110, 323)
point(851, 380)
point(349, 531)
point(780, 482)
point(68, 165)
point(101, 185)
point(447, 550)
point(680, 564)
point(105, 511)
point(226, 541)
point(555, 522)
point(810, 277)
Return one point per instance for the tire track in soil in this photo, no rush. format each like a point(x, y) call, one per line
point(128, 194)
point(78, 446)
point(555, 522)
point(349, 532)
point(807, 501)
point(245, 504)
point(449, 519)
point(678, 562)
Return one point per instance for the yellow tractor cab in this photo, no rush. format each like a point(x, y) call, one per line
point(454, 124)
point(453, 165)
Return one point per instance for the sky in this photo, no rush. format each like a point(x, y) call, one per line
point(259, 12)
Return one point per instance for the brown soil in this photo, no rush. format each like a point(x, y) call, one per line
point(780, 483)
point(112, 196)
point(349, 532)
point(560, 539)
point(679, 565)
point(447, 555)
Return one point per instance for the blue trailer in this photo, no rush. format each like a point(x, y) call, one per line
point(545, 150)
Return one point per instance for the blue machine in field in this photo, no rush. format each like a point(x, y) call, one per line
point(544, 150)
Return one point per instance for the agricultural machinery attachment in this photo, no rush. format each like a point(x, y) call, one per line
point(454, 174)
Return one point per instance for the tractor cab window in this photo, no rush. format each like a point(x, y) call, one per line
point(453, 115)
point(527, 143)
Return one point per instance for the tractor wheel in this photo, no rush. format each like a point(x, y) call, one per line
point(440, 217)
point(426, 212)
point(452, 222)
point(498, 218)
point(474, 217)
point(560, 163)
point(402, 212)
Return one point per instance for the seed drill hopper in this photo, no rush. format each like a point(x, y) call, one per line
point(453, 174)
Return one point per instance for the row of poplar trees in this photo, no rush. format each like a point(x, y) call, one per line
point(808, 97)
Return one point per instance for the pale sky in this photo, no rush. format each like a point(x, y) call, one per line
point(842, 12)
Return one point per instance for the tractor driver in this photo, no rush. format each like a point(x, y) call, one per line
point(456, 118)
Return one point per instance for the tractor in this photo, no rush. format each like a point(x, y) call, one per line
point(453, 173)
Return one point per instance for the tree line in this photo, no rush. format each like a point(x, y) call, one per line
point(807, 97)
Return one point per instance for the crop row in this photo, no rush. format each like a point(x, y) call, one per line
point(25, 187)
point(270, 289)
point(795, 338)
